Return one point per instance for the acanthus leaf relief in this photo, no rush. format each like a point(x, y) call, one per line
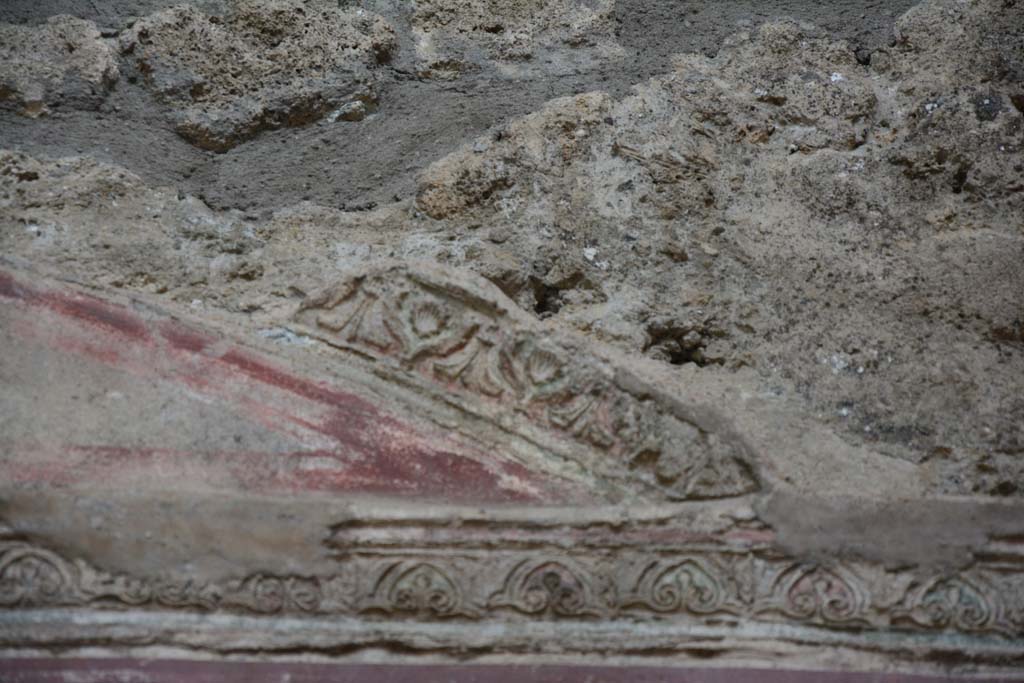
point(467, 341)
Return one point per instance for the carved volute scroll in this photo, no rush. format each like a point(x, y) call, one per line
point(461, 338)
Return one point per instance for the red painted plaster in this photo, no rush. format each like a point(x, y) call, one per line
point(344, 442)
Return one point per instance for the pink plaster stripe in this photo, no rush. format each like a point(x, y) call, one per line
point(183, 671)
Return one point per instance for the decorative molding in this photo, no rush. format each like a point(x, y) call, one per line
point(479, 582)
point(461, 337)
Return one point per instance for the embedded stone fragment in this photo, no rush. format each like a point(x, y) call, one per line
point(454, 36)
point(62, 62)
point(263, 65)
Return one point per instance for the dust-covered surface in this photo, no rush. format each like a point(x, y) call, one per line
point(836, 221)
point(63, 62)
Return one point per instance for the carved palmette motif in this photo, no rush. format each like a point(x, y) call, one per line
point(529, 584)
point(417, 588)
point(689, 584)
point(31, 576)
point(960, 603)
point(555, 588)
point(820, 594)
point(470, 344)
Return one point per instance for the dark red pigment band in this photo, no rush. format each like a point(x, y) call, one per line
point(183, 671)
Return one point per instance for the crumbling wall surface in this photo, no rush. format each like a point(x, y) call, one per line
point(264, 65)
point(849, 229)
point(454, 37)
point(726, 364)
point(63, 61)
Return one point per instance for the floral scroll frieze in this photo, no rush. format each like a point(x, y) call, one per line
point(461, 337)
point(549, 585)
